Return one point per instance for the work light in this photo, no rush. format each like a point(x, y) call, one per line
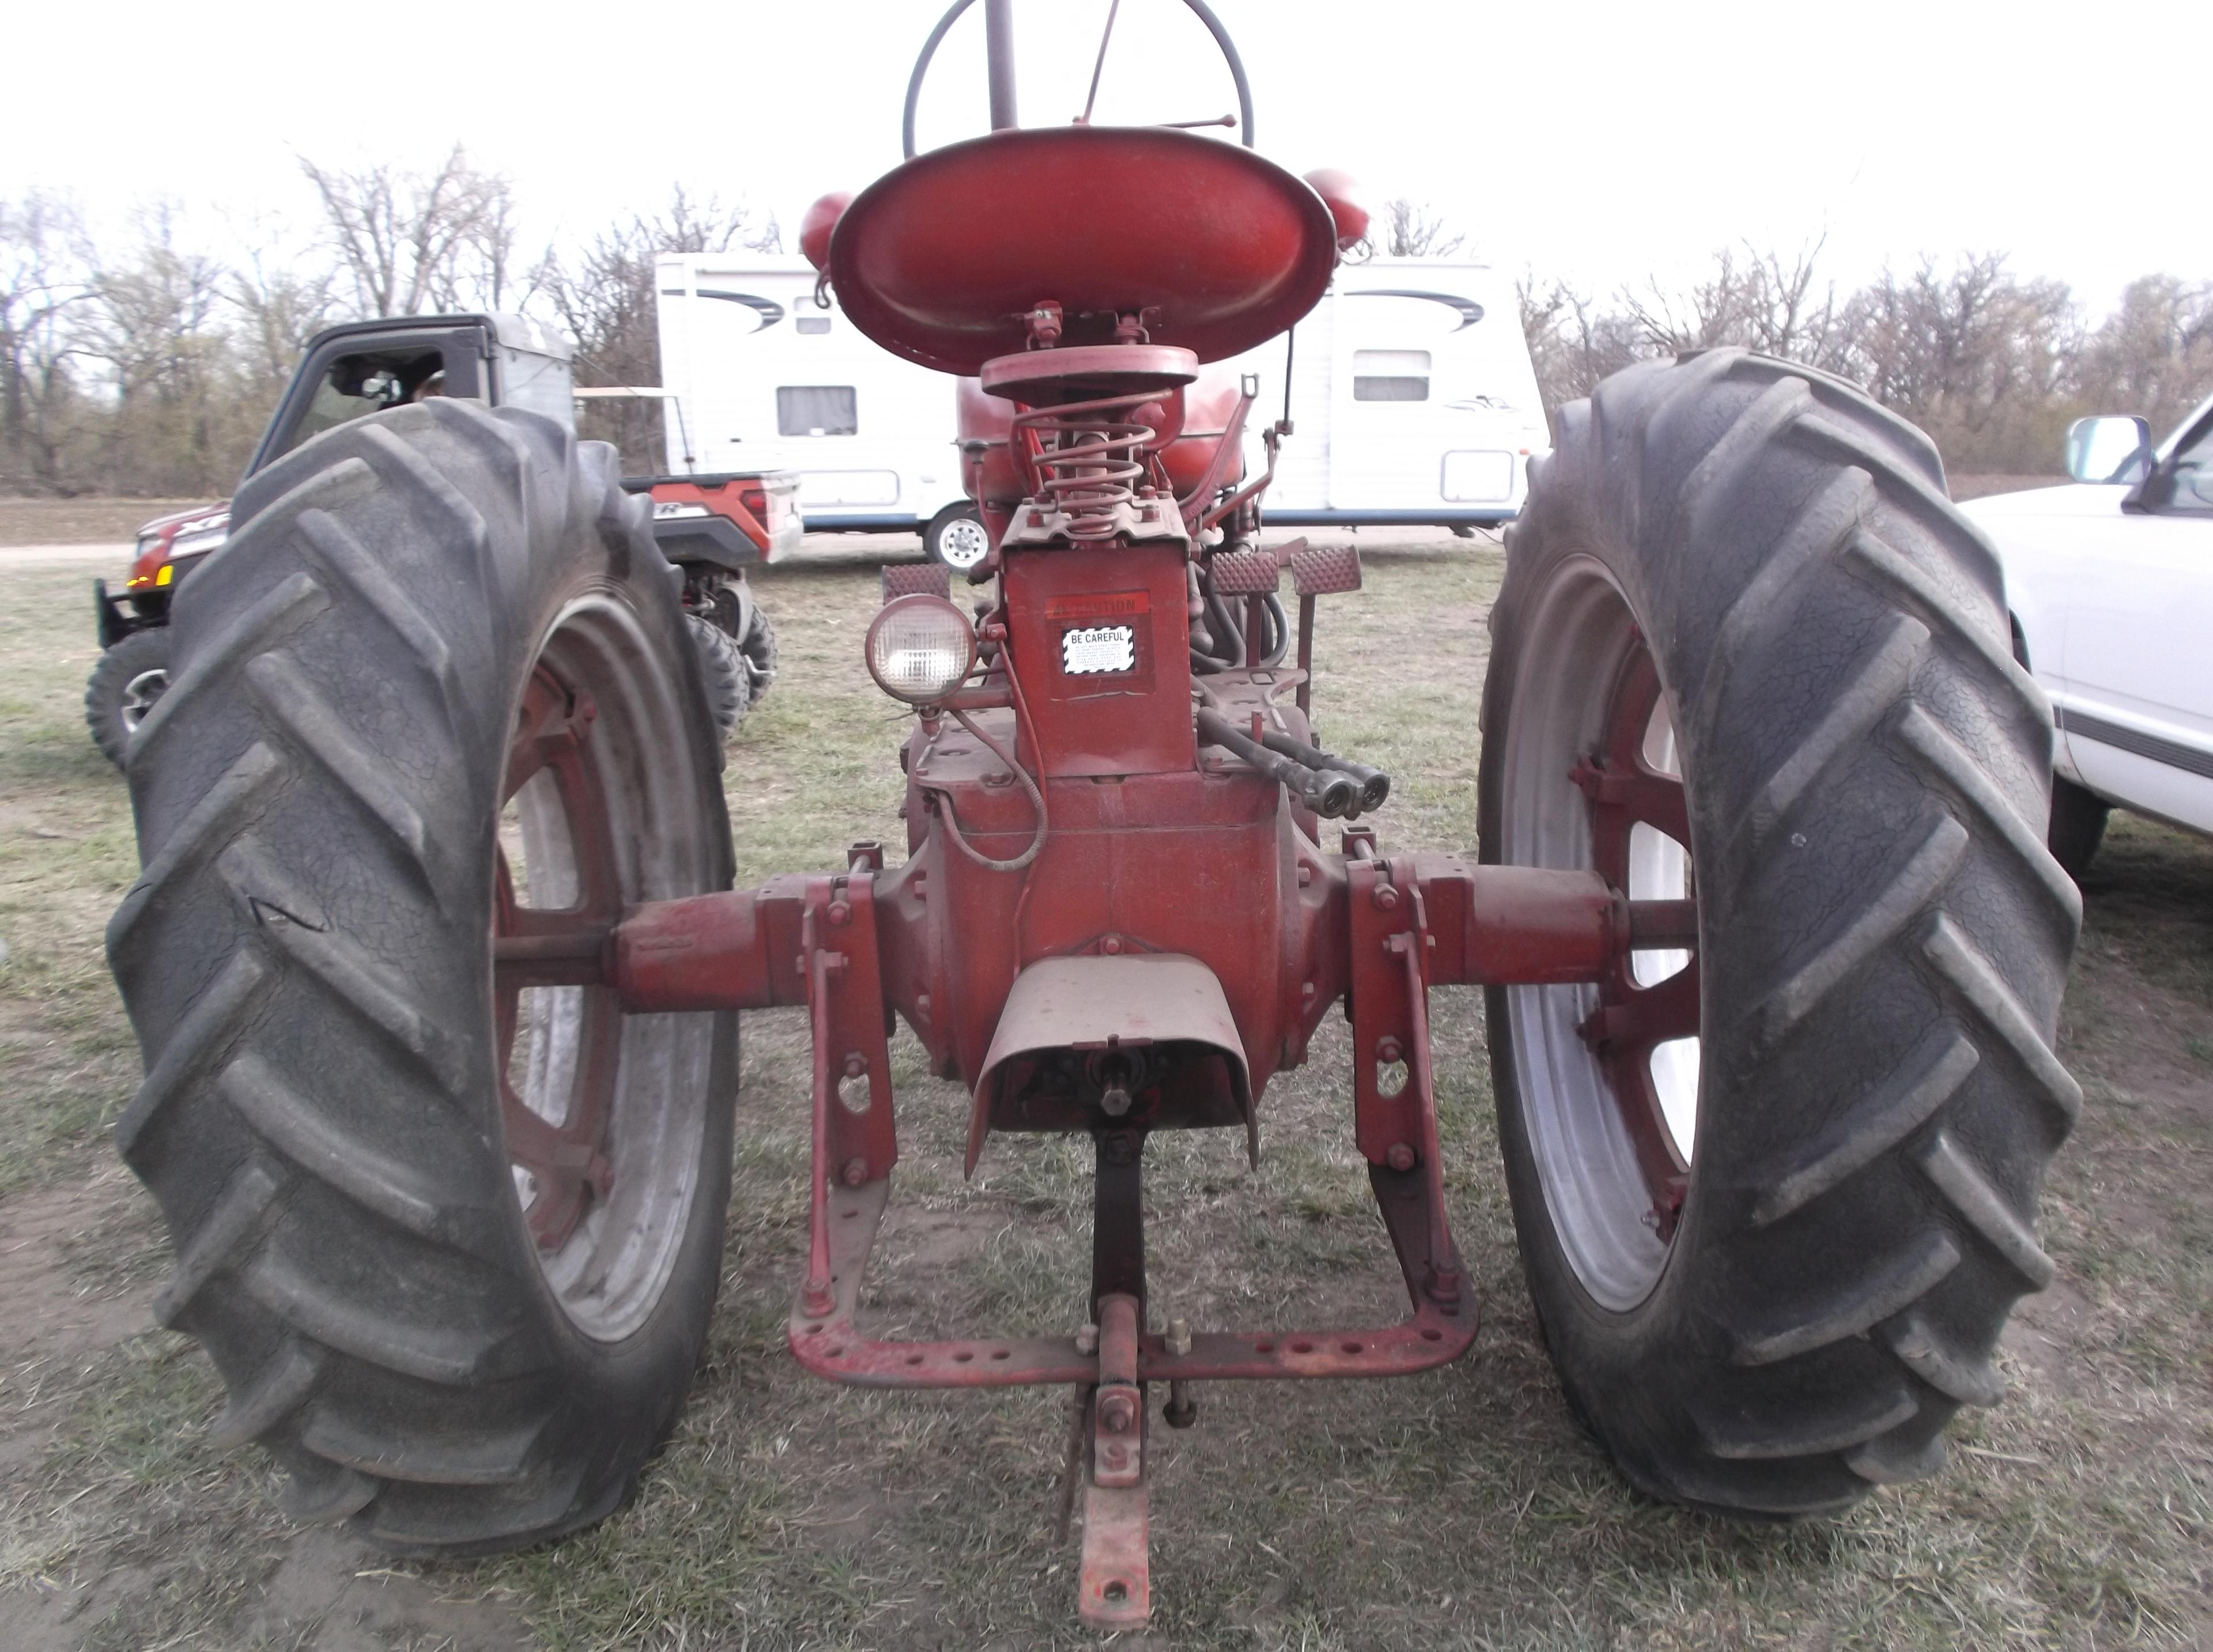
point(920, 648)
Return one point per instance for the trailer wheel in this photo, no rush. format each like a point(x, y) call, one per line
point(1775, 1197)
point(449, 1228)
point(124, 685)
point(956, 537)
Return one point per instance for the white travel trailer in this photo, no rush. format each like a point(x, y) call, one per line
point(1412, 397)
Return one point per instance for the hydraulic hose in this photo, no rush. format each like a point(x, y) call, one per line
point(1375, 784)
point(1329, 794)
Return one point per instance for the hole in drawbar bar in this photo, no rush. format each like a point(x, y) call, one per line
point(963, 1357)
point(998, 1353)
point(814, 1330)
point(1303, 1346)
point(914, 1359)
point(1116, 1591)
point(1350, 1347)
point(1263, 1347)
point(832, 1353)
point(1432, 1334)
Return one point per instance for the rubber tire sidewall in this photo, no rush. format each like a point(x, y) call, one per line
point(558, 530)
point(1661, 1382)
point(143, 651)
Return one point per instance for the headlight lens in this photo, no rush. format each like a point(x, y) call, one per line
point(199, 540)
point(920, 649)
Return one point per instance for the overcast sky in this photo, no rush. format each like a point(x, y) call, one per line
point(1598, 142)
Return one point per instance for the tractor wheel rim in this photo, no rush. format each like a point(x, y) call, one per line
point(964, 543)
point(602, 1112)
point(138, 696)
point(1607, 1073)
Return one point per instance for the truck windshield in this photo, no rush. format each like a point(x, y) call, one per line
point(355, 386)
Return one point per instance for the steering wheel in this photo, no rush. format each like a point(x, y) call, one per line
point(1203, 12)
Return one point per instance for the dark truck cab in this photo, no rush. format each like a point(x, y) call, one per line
point(713, 527)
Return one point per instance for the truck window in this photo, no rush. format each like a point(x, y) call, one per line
point(355, 386)
point(1390, 375)
point(816, 410)
point(2193, 475)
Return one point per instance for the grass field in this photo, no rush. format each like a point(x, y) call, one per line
point(1464, 1509)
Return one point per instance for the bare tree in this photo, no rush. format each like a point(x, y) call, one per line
point(2154, 355)
point(1978, 359)
point(1754, 299)
point(1413, 230)
point(45, 284)
point(178, 423)
point(1572, 343)
point(279, 309)
point(604, 295)
point(408, 241)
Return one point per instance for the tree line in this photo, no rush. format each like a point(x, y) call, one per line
point(1992, 365)
point(150, 367)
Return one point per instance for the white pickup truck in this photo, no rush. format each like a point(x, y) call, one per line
point(2110, 584)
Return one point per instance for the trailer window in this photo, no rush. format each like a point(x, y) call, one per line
point(1390, 375)
point(816, 410)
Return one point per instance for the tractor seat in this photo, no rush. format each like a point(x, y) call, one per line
point(1217, 249)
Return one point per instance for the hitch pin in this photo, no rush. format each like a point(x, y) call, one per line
point(1181, 1411)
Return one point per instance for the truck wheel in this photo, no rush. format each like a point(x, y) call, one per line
point(449, 1228)
point(956, 537)
point(1775, 1197)
point(722, 668)
point(125, 684)
point(2078, 826)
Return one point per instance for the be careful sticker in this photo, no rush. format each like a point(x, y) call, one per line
point(1094, 648)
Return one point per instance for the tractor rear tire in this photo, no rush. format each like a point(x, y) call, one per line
point(416, 615)
point(1883, 938)
point(128, 679)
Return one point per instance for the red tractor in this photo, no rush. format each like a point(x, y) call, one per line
point(437, 965)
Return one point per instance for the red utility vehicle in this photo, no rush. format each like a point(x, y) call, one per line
point(437, 965)
point(713, 527)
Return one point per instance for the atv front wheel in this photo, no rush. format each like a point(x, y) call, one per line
point(449, 1223)
point(1776, 1196)
point(722, 669)
point(122, 688)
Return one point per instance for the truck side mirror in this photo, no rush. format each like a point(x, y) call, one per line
point(2108, 449)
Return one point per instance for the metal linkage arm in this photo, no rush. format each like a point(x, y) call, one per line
point(737, 950)
point(1527, 926)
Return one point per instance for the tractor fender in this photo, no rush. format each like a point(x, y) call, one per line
point(1095, 1002)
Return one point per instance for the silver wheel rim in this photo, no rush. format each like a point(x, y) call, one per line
point(962, 543)
point(1596, 1194)
point(609, 1272)
point(138, 696)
